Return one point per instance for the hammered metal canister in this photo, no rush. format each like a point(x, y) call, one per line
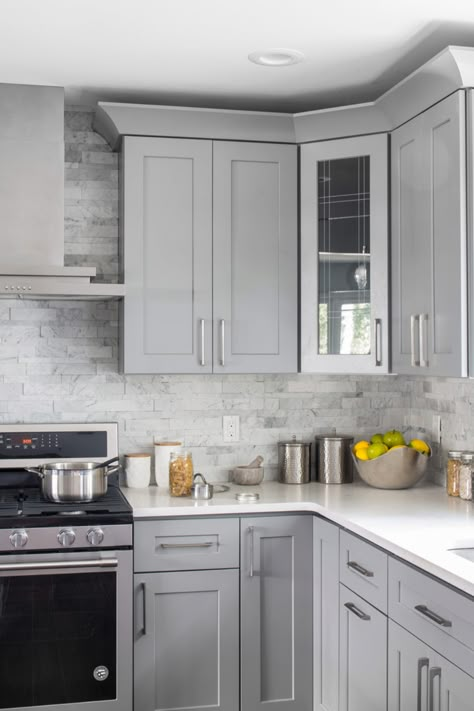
point(333, 459)
point(294, 462)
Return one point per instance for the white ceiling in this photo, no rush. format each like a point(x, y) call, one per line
point(194, 52)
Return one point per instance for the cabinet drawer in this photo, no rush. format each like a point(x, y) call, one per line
point(436, 614)
point(197, 544)
point(363, 569)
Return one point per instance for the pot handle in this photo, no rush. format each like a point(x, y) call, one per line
point(106, 463)
point(112, 470)
point(39, 472)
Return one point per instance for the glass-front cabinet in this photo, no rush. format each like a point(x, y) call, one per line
point(344, 256)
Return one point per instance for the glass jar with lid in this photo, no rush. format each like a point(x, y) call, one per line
point(181, 473)
point(452, 472)
point(465, 476)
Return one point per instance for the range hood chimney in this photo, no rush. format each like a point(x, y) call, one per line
point(32, 199)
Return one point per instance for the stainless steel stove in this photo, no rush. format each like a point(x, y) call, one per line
point(65, 578)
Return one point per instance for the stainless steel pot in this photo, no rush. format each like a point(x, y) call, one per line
point(74, 482)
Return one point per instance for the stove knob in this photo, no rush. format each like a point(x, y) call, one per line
point(19, 538)
point(95, 536)
point(66, 537)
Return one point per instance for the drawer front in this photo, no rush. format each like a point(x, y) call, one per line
point(191, 544)
point(439, 616)
point(363, 569)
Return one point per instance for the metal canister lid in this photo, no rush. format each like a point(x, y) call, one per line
point(457, 453)
point(335, 438)
point(294, 443)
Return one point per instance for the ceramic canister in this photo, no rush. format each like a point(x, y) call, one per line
point(137, 470)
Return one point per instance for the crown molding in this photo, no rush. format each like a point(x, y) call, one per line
point(450, 70)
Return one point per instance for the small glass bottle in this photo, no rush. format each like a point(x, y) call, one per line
point(452, 472)
point(465, 477)
point(181, 473)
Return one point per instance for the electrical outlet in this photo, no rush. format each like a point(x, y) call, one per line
point(231, 428)
point(436, 429)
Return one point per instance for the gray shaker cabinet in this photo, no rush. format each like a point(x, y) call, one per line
point(363, 655)
point(344, 256)
point(167, 255)
point(255, 268)
point(276, 613)
point(326, 615)
point(187, 641)
point(429, 270)
point(210, 256)
point(421, 679)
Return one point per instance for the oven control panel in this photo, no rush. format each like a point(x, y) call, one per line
point(65, 537)
point(53, 445)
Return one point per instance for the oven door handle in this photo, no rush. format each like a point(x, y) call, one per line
point(60, 565)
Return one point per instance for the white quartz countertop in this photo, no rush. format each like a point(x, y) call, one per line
point(420, 525)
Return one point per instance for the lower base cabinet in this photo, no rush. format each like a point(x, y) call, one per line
point(363, 655)
point(187, 641)
point(423, 680)
point(276, 613)
point(326, 615)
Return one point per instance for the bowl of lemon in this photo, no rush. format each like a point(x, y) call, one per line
point(387, 461)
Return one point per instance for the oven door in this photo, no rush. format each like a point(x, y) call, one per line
point(66, 631)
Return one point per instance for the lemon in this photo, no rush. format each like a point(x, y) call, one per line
point(363, 444)
point(398, 446)
point(420, 446)
point(361, 453)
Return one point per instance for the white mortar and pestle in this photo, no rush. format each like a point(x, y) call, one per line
point(251, 474)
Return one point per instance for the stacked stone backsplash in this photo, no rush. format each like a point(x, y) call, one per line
point(59, 360)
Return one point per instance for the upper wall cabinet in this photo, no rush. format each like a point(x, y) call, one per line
point(429, 273)
point(210, 256)
point(344, 256)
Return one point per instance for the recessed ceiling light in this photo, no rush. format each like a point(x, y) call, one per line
point(276, 57)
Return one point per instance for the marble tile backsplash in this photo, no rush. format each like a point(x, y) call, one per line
point(59, 360)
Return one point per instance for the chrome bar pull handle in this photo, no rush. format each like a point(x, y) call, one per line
point(422, 663)
point(359, 569)
point(378, 341)
point(355, 610)
point(203, 354)
point(423, 337)
point(433, 616)
point(143, 590)
point(60, 565)
point(414, 319)
point(222, 342)
point(251, 551)
point(204, 544)
point(435, 672)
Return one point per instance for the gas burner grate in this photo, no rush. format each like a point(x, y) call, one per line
point(29, 502)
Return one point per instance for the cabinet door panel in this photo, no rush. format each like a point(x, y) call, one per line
point(276, 613)
point(255, 250)
point(422, 679)
point(456, 688)
point(167, 242)
point(187, 641)
point(444, 128)
point(326, 615)
point(363, 655)
point(411, 276)
point(408, 670)
point(429, 273)
point(344, 256)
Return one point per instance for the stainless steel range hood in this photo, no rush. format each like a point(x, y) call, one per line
point(32, 200)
